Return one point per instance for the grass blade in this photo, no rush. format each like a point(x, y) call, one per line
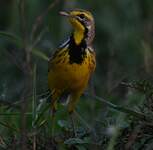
point(9, 126)
point(11, 37)
point(40, 54)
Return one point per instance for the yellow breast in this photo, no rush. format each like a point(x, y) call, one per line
point(66, 76)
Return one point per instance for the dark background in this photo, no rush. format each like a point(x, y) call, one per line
point(31, 30)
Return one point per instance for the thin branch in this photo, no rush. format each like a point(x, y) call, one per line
point(38, 38)
point(9, 104)
point(27, 76)
point(131, 112)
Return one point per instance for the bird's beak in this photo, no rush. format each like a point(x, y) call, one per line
point(64, 13)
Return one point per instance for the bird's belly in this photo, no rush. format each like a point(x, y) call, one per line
point(69, 77)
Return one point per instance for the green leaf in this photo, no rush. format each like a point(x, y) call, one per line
point(9, 126)
point(42, 123)
point(12, 37)
point(72, 141)
point(41, 114)
point(40, 54)
point(42, 107)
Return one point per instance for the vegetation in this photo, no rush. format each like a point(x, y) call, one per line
point(116, 111)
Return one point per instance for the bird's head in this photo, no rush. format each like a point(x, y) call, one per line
point(83, 23)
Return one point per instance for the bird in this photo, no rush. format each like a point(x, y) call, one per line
point(73, 63)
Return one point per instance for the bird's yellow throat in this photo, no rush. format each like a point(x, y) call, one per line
point(79, 30)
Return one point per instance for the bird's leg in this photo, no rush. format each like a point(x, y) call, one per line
point(73, 124)
point(73, 99)
point(53, 111)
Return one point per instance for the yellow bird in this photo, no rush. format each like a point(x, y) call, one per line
point(72, 65)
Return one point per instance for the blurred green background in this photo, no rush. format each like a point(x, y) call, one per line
point(123, 45)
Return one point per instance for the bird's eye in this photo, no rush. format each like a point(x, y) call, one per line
point(82, 16)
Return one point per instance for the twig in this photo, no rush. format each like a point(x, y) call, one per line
point(37, 40)
point(27, 75)
point(131, 112)
point(9, 104)
point(132, 137)
point(34, 104)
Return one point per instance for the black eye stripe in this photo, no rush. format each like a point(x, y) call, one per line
point(81, 16)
